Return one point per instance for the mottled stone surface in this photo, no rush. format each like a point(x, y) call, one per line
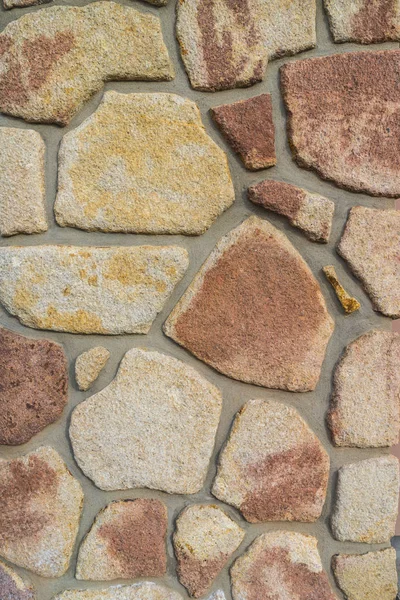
point(204, 539)
point(145, 590)
point(34, 386)
point(22, 193)
point(367, 498)
point(249, 128)
point(154, 426)
point(348, 303)
point(88, 366)
point(22, 3)
point(311, 213)
point(355, 142)
point(127, 540)
point(55, 59)
point(12, 587)
point(89, 289)
point(218, 595)
point(142, 163)
point(370, 245)
point(260, 321)
point(41, 505)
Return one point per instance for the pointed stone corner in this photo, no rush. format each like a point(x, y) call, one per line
point(240, 311)
point(89, 289)
point(204, 539)
point(89, 365)
point(12, 587)
point(102, 41)
point(41, 505)
point(142, 163)
point(370, 245)
point(145, 590)
point(349, 304)
point(156, 398)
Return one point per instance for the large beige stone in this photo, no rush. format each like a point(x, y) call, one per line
point(89, 365)
point(145, 590)
point(12, 587)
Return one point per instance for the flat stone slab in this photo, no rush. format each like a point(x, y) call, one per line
point(240, 312)
point(142, 163)
point(22, 3)
point(154, 426)
point(89, 365)
point(41, 506)
point(127, 540)
point(355, 142)
point(55, 59)
point(145, 590)
point(204, 539)
point(89, 289)
point(370, 245)
point(12, 587)
point(367, 499)
point(363, 21)
point(348, 303)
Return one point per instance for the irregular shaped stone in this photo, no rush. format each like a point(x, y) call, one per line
point(12, 587)
point(127, 540)
point(89, 289)
point(142, 163)
point(281, 565)
point(55, 59)
point(370, 245)
point(22, 3)
point(22, 193)
point(249, 128)
point(89, 365)
point(348, 303)
point(367, 499)
point(343, 118)
point(145, 590)
point(311, 213)
point(158, 2)
point(153, 397)
point(204, 539)
point(260, 321)
point(218, 595)
point(41, 506)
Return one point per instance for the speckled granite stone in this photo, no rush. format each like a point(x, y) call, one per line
point(89, 365)
point(22, 3)
point(12, 587)
point(145, 590)
point(348, 303)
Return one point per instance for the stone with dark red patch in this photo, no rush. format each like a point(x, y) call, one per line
point(12, 587)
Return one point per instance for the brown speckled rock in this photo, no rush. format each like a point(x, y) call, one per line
point(88, 366)
point(145, 590)
point(255, 312)
point(12, 587)
point(354, 142)
point(204, 539)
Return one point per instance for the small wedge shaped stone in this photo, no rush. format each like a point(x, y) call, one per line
point(348, 303)
point(12, 587)
point(89, 365)
point(145, 590)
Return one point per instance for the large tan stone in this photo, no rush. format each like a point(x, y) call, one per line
point(145, 590)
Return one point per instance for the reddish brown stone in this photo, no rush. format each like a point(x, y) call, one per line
point(12, 587)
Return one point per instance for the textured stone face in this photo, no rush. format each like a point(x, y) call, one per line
point(142, 163)
point(273, 467)
point(53, 60)
point(255, 312)
point(41, 505)
point(348, 303)
point(204, 539)
point(370, 245)
point(127, 540)
point(154, 426)
point(145, 590)
point(89, 289)
point(88, 366)
point(12, 587)
point(364, 21)
point(367, 501)
point(354, 141)
point(22, 3)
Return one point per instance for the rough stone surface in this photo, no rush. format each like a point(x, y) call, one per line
point(55, 59)
point(12, 587)
point(22, 193)
point(127, 540)
point(260, 321)
point(142, 163)
point(343, 118)
point(278, 566)
point(88, 366)
point(89, 289)
point(41, 505)
point(34, 386)
point(367, 501)
point(218, 595)
point(249, 128)
point(311, 213)
point(22, 3)
point(145, 590)
point(370, 245)
point(348, 303)
point(273, 467)
point(204, 539)
point(153, 398)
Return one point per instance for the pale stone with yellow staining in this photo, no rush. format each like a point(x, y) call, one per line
point(349, 304)
point(88, 366)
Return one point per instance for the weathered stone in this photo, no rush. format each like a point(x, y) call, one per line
point(348, 303)
point(145, 590)
point(204, 539)
point(343, 118)
point(273, 467)
point(41, 505)
point(34, 386)
point(12, 587)
point(55, 59)
point(89, 289)
point(255, 312)
point(88, 366)
point(365, 407)
point(154, 398)
point(127, 540)
point(281, 565)
point(370, 244)
point(367, 499)
point(371, 576)
point(22, 3)
point(249, 128)
point(142, 163)
point(311, 213)
point(218, 595)
point(22, 194)
point(158, 2)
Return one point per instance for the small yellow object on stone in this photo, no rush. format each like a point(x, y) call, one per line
point(349, 304)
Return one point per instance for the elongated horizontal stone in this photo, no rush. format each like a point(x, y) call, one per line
point(12, 587)
point(89, 365)
point(22, 3)
point(363, 21)
point(145, 590)
point(89, 289)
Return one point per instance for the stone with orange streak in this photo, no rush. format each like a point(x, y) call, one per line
point(12, 587)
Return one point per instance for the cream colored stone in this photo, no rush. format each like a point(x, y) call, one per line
point(145, 590)
point(12, 587)
point(218, 595)
point(88, 366)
